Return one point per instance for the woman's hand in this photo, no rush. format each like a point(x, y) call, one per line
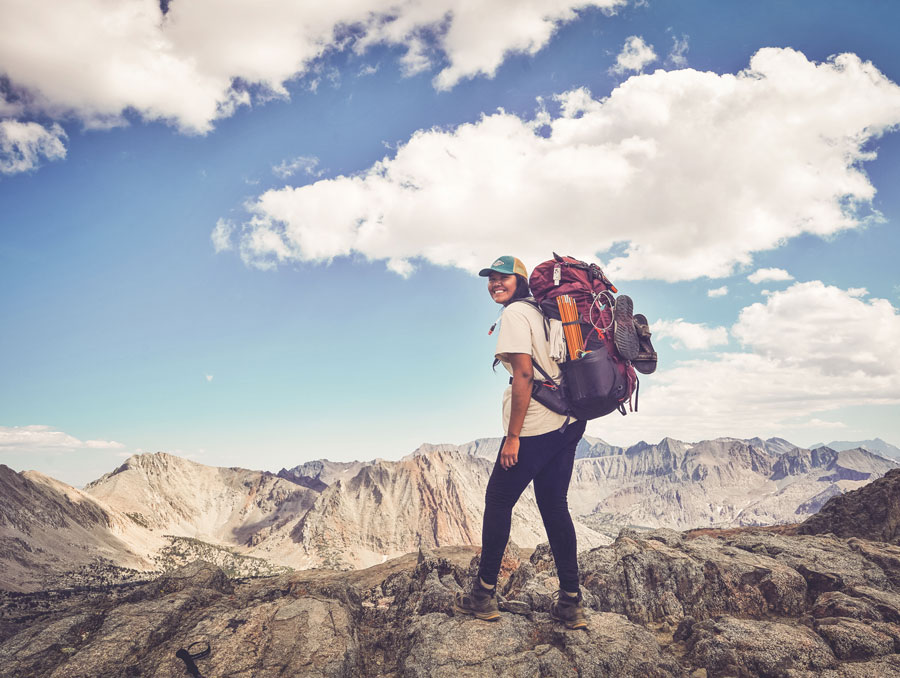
point(509, 455)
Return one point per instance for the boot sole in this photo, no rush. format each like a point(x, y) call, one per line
point(626, 338)
point(645, 365)
point(570, 624)
point(645, 361)
point(483, 616)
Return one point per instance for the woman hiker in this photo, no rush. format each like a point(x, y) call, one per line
point(538, 447)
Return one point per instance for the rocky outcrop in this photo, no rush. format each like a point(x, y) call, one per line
point(872, 512)
point(661, 604)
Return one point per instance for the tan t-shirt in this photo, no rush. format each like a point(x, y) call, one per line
point(522, 331)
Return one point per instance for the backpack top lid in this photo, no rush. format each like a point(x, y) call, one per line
point(567, 275)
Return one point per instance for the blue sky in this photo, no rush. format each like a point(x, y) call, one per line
point(249, 236)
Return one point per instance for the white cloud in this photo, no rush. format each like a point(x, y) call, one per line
point(221, 235)
point(823, 327)
point(39, 437)
point(735, 164)
point(680, 48)
point(763, 274)
point(810, 350)
point(24, 144)
point(475, 37)
point(203, 58)
point(692, 336)
point(634, 56)
point(307, 164)
point(717, 292)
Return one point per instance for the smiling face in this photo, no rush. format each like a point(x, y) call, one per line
point(502, 287)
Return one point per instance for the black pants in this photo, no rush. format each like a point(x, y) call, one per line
point(547, 460)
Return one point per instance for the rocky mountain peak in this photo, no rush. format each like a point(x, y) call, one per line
point(320, 473)
point(149, 463)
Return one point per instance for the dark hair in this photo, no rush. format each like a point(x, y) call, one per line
point(522, 290)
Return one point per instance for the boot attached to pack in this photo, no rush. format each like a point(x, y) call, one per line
point(478, 602)
point(645, 361)
point(624, 333)
point(568, 610)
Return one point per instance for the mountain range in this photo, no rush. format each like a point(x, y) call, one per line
point(820, 599)
point(157, 511)
point(878, 446)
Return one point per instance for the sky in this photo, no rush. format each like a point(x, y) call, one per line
point(248, 233)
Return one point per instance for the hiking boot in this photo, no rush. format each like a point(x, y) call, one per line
point(645, 361)
point(625, 336)
point(568, 610)
point(478, 602)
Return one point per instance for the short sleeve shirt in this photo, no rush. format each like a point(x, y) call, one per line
point(522, 331)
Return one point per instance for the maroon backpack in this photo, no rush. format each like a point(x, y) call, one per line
point(600, 380)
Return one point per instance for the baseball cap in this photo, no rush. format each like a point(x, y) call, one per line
point(507, 265)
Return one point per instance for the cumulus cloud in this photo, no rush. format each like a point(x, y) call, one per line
point(203, 58)
point(692, 336)
point(808, 351)
point(634, 56)
point(717, 292)
point(685, 173)
point(23, 145)
point(474, 37)
point(825, 328)
point(39, 437)
point(763, 274)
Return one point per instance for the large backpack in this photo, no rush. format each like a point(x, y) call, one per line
point(599, 380)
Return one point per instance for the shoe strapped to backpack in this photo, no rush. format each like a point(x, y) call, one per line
point(645, 361)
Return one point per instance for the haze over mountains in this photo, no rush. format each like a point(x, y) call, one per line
point(878, 446)
point(157, 510)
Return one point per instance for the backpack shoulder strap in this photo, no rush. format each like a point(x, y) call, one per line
point(540, 369)
point(531, 302)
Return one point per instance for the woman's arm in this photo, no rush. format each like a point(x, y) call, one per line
point(523, 377)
